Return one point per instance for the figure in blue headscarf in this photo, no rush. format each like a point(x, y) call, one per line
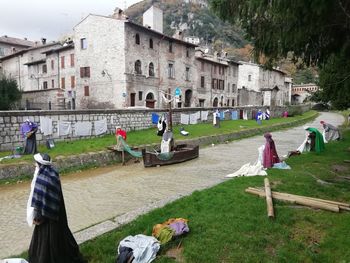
point(28, 131)
point(259, 117)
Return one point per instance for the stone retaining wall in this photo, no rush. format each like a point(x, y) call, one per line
point(130, 119)
point(104, 158)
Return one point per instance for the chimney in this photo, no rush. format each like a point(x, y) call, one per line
point(178, 35)
point(43, 41)
point(119, 14)
point(153, 17)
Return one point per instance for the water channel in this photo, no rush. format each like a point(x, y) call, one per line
point(99, 194)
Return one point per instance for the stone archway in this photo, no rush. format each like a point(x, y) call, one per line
point(188, 97)
point(150, 101)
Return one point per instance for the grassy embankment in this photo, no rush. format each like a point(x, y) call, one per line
point(229, 225)
point(148, 136)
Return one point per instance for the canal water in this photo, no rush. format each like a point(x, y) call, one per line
point(99, 194)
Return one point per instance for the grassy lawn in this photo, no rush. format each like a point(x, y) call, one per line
point(229, 225)
point(149, 136)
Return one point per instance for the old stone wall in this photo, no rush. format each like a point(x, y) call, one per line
point(130, 119)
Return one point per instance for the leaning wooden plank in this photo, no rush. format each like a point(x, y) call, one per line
point(297, 200)
point(270, 212)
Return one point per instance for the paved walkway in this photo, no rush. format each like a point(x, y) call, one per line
point(124, 192)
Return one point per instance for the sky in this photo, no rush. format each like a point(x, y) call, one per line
point(50, 19)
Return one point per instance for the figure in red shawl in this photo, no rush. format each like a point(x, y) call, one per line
point(119, 133)
point(270, 156)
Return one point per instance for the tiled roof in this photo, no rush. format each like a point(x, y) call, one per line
point(16, 41)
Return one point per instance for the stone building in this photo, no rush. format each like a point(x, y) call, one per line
point(124, 64)
point(216, 82)
point(259, 86)
point(10, 45)
point(302, 92)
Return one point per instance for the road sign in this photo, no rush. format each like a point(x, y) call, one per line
point(177, 92)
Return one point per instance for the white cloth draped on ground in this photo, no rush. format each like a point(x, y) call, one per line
point(305, 146)
point(46, 126)
point(100, 126)
point(184, 118)
point(144, 248)
point(64, 128)
point(83, 128)
point(204, 115)
point(30, 209)
point(251, 169)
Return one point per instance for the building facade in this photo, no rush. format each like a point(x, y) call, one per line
point(259, 86)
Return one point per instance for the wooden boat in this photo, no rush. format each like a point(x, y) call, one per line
point(181, 153)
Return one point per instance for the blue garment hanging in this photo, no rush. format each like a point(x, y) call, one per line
point(234, 115)
point(155, 118)
point(222, 115)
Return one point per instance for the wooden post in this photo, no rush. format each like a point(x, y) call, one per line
point(270, 212)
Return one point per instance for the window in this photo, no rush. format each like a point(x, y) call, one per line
point(138, 67)
point(233, 88)
point(52, 64)
point(86, 91)
point(140, 95)
point(83, 43)
point(62, 62)
point(45, 84)
point(151, 69)
point(214, 84)
point(171, 71)
point(249, 77)
point(151, 43)
point(187, 73)
point(72, 82)
point(63, 83)
point(202, 82)
point(170, 47)
point(72, 60)
point(137, 39)
point(52, 83)
point(85, 72)
point(187, 52)
point(45, 69)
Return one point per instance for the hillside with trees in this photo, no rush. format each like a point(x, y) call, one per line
point(194, 20)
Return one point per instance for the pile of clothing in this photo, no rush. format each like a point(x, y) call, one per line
point(171, 228)
point(143, 249)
